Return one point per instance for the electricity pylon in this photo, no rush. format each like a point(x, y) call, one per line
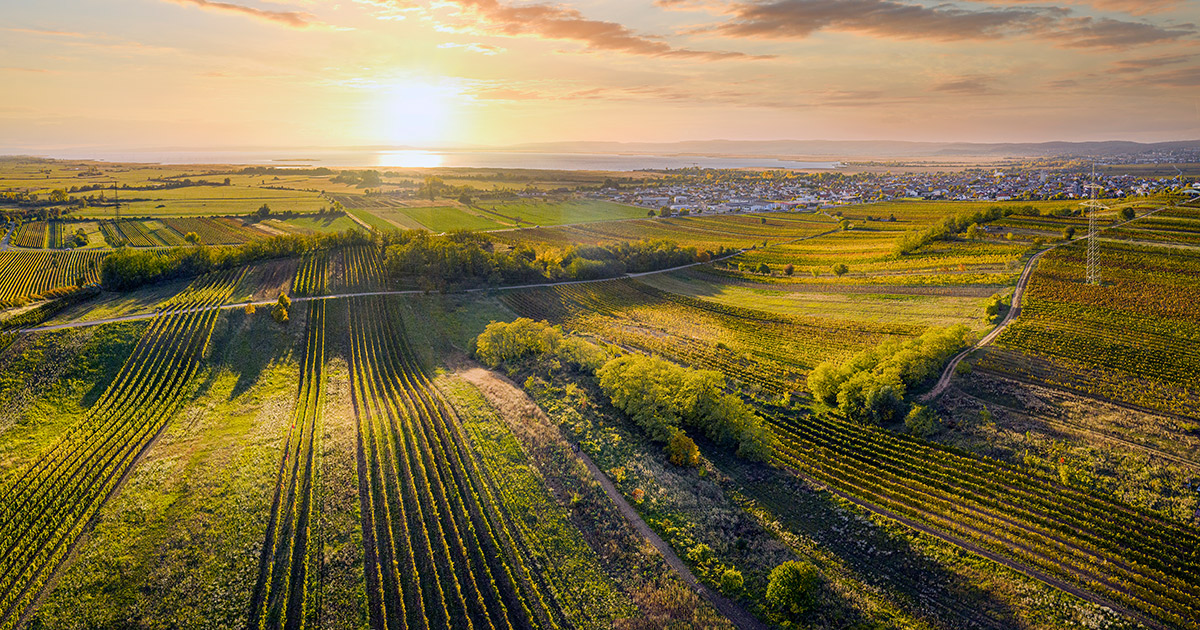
point(1094, 206)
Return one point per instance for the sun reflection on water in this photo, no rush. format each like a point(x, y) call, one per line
point(409, 158)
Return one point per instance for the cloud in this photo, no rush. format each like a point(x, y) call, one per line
point(1089, 32)
point(294, 19)
point(483, 49)
point(564, 23)
point(797, 19)
point(894, 19)
point(27, 70)
point(1132, 7)
point(967, 86)
point(1126, 66)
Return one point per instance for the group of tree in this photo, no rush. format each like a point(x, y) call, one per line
point(464, 258)
point(871, 386)
point(948, 227)
point(663, 399)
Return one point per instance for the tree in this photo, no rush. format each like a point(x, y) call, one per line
point(682, 450)
point(192, 238)
point(789, 269)
point(792, 589)
point(1068, 232)
point(650, 213)
point(250, 308)
point(762, 220)
point(664, 211)
point(840, 269)
point(285, 301)
point(280, 313)
point(973, 232)
point(844, 224)
point(264, 211)
point(763, 268)
point(227, 182)
point(920, 421)
point(1009, 236)
point(1127, 213)
point(732, 582)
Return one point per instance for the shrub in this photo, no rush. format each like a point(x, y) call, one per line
point(250, 308)
point(732, 582)
point(792, 589)
point(920, 421)
point(682, 450)
point(280, 313)
point(789, 269)
point(840, 269)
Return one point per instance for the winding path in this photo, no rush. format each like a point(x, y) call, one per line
point(1013, 311)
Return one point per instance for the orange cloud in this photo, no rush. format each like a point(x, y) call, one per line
point(563, 23)
point(294, 19)
point(1132, 7)
point(894, 19)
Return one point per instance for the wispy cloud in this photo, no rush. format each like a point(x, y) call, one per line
point(1132, 7)
point(564, 23)
point(293, 19)
point(1125, 66)
point(483, 49)
point(894, 19)
point(967, 86)
point(27, 70)
point(46, 32)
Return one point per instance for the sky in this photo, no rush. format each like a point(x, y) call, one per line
point(326, 73)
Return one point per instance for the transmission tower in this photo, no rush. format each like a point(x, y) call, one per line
point(1094, 206)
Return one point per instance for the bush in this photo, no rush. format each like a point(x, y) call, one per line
point(732, 582)
point(250, 308)
point(792, 590)
point(682, 450)
point(871, 385)
point(661, 397)
point(280, 313)
point(840, 269)
point(920, 421)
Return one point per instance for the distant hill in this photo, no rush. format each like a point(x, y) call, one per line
point(864, 149)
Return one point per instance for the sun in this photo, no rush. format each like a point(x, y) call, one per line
point(416, 113)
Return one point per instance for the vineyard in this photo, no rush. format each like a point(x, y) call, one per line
point(31, 234)
point(1142, 562)
point(288, 593)
point(312, 277)
point(441, 549)
point(45, 506)
point(1133, 339)
point(214, 230)
point(27, 274)
point(710, 232)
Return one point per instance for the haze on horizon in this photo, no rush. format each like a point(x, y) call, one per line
point(205, 73)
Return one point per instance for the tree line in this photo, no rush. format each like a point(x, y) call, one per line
point(663, 399)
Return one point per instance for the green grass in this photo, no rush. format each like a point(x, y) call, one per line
point(922, 306)
point(47, 382)
point(319, 224)
point(177, 546)
point(436, 218)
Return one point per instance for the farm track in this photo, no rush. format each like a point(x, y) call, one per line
point(46, 506)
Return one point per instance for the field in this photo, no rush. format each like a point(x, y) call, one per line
point(223, 456)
